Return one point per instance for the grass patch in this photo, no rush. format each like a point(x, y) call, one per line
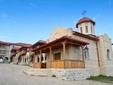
point(101, 78)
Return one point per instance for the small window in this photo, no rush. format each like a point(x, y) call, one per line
point(108, 54)
point(86, 29)
point(86, 53)
point(91, 29)
point(81, 29)
point(57, 56)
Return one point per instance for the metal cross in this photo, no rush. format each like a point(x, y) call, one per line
point(84, 12)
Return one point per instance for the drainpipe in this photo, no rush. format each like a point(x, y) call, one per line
point(97, 53)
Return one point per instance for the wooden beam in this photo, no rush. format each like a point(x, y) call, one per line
point(73, 43)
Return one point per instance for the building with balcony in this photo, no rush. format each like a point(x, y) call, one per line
point(18, 53)
point(5, 48)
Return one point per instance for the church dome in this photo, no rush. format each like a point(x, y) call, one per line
point(85, 19)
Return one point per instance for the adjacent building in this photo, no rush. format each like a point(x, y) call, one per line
point(9, 50)
point(5, 48)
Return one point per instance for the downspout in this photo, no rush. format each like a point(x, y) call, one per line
point(97, 53)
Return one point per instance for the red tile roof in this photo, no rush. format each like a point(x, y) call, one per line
point(17, 44)
point(23, 45)
point(15, 48)
point(92, 37)
point(40, 42)
point(68, 38)
point(85, 19)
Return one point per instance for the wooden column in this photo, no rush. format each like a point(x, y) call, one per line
point(64, 49)
point(50, 55)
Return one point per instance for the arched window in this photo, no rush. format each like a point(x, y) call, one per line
point(86, 29)
point(108, 54)
point(81, 29)
point(91, 29)
point(86, 53)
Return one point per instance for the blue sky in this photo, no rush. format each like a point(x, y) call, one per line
point(31, 20)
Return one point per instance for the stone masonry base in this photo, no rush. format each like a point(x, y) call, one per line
point(64, 74)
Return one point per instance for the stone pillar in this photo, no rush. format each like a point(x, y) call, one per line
point(27, 57)
point(35, 60)
point(43, 55)
point(40, 57)
point(82, 53)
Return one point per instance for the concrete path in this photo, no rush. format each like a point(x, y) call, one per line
point(13, 75)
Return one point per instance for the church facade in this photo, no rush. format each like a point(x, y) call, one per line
point(69, 49)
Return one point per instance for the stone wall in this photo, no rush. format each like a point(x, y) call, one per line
point(64, 74)
point(106, 64)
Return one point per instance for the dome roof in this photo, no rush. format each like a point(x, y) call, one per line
point(85, 19)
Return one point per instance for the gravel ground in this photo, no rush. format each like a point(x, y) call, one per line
point(13, 75)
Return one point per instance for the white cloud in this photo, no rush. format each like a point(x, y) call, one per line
point(2, 37)
point(32, 4)
point(5, 38)
point(94, 18)
point(3, 15)
point(110, 2)
point(74, 20)
point(14, 22)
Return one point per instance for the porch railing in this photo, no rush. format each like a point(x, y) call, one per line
point(67, 64)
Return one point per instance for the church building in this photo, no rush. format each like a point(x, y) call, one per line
point(80, 50)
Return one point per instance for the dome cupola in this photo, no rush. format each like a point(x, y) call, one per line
point(86, 26)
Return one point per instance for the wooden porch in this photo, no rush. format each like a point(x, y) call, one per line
point(39, 65)
point(63, 63)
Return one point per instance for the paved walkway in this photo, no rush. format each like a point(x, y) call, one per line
point(13, 75)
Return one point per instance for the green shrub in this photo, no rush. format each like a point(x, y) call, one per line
point(53, 75)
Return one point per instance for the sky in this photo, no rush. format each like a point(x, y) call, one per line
point(28, 21)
